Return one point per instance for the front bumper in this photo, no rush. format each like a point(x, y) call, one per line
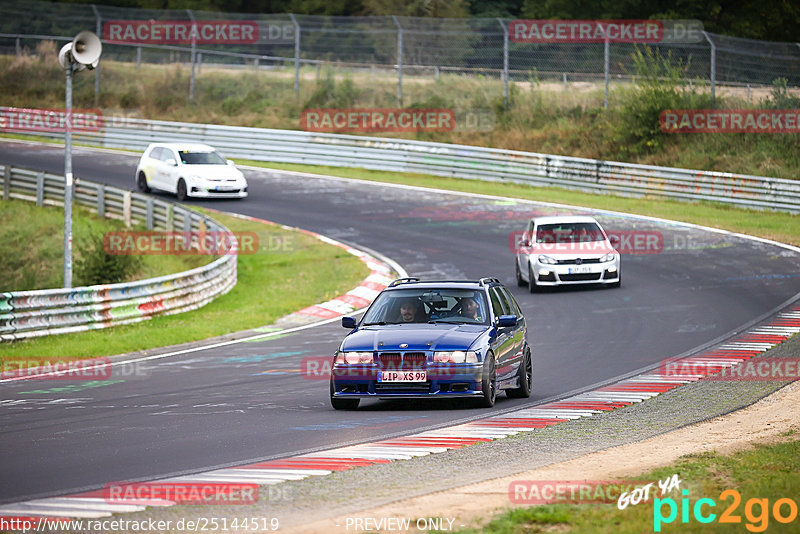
point(203, 189)
point(573, 274)
point(361, 381)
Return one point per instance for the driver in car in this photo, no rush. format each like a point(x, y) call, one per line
point(470, 308)
point(411, 311)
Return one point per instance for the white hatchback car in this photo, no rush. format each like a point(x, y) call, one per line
point(566, 250)
point(189, 170)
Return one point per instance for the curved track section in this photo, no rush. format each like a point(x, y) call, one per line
point(213, 408)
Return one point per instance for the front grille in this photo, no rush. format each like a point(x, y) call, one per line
point(575, 262)
point(582, 277)
point(397, 360)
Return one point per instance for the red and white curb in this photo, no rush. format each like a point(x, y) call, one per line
point(624, 393)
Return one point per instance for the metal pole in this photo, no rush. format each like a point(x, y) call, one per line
point(68, 181)
point(99, 32)
point(19, 47)
point(399, 61)
point(505, 62)
point(606, 67)
point(296, 56)
point(194, 52)
point(565, 81)
point(138, 57)
point(713, 68)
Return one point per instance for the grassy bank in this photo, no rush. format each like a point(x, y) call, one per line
point(540, 117)
point(32, 250)
point(765, 472)
point(290, 271)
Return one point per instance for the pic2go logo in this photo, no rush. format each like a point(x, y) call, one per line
point(756, 511)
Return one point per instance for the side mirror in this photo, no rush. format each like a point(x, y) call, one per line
point(172, 162)
point(229, 162)
point(349, 322)
point(505, 321)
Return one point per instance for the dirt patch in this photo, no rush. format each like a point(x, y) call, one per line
point(472, 505)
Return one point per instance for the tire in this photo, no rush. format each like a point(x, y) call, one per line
point(532, 287)
point(343, 404)
point(141, 183)
point(520, 281)
point(525, 379)
point(181, 190)
point(488, 383)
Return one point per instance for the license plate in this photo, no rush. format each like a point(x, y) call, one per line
point(225, 188)
point(402, 376)
point(580, 269)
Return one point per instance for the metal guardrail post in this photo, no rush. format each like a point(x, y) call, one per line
point(40, 189)
point(713, 68)
point(7, 182)
point(19, 47)
point(296, 55)
point(199, 62)
point(170, 224)
point(126, 208)
point(149, 213)
point(101, 200)
point(505, 62)
point(399, 61)
point(138, 57)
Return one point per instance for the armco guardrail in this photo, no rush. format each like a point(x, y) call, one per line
point(460, 161)
point(26, 314)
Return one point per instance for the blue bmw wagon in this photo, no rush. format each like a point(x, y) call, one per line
point(429, 339)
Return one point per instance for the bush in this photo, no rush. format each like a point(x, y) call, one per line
point(95, 266)
point(660, 85)
point(779, 97)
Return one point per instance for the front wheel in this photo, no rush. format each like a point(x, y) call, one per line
point(525, 376)
point(343, 404)
point(532, 281)
point(141, 183)
point(488, 382)
point(181, 192)
point(520, 281)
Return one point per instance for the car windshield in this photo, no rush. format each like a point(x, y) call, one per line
point(574, 232)
point(201, 158)
point(438, 305)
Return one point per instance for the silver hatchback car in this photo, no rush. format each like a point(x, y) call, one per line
point(566, 250)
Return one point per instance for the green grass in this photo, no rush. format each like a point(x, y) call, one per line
point(32, 247)
point(290, 271)
point(764, 472)
point(778, 226)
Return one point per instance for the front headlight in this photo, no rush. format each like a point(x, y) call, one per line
point(353, 358)
point(611, 256)
point(547, 260)
point(455, 356)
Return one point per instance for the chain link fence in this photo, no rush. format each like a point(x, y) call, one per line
point(397, 46)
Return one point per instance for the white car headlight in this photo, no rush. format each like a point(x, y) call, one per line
point(456, 356)
point(547, 260)
point(353, 358)
point(611, 256)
